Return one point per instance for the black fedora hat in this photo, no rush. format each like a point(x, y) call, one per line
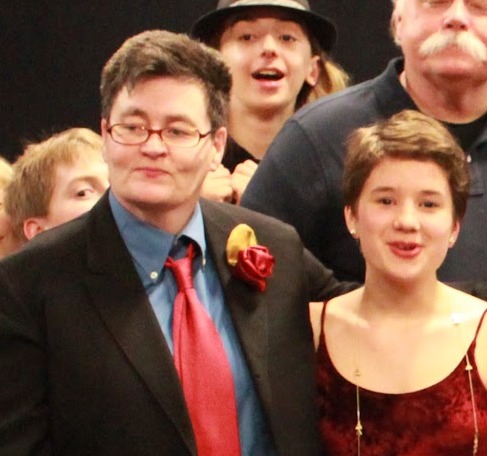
point(320, 27)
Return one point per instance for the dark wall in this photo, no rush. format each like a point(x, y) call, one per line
point(52, 52)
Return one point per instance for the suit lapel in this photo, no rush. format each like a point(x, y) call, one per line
point(248, 307)
point(122, 304)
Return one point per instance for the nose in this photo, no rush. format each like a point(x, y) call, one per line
point(406, 218)
point(269, 46)
point(457, 17)
point(154, 146)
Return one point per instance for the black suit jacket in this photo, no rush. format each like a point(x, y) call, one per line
point(85, 369)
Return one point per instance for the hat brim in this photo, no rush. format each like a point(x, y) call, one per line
point(320, 27)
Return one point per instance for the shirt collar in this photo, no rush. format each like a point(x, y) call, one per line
point(390, 94)
point(149, 245)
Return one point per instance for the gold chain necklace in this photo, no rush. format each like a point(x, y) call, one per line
point(359, 429)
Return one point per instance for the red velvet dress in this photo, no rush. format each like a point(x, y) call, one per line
point(436, 421)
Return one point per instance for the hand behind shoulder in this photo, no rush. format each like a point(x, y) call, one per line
point(246, 168)
point(241, 177)
point(217, 185)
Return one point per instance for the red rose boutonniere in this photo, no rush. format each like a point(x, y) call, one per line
point(250, 262)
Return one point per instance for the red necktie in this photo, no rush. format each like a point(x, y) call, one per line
point(203, 367)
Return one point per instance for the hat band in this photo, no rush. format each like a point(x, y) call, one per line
point(285, 3)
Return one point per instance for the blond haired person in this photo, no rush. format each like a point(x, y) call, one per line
point(8, 242)
point(55, 181)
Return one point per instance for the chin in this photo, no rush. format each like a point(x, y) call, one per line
point(141, 198)
point(403, 273)
point(457, 71)
point(459, 67)
point(150, 201)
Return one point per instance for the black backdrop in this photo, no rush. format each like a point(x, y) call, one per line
point(52, 52)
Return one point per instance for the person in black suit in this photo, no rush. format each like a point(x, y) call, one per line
point(86, 346)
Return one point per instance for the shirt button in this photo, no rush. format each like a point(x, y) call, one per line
point(154, 275)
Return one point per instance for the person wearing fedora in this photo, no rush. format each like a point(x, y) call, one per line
point(277, 51)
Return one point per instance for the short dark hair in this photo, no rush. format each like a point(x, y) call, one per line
point(406, 135)
point(157, 53)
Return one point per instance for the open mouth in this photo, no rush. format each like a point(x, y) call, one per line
point(405, 249)
point(268, 75)
point(405, 246)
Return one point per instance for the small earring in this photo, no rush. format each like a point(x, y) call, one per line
point(353, 232)
point(452, 240)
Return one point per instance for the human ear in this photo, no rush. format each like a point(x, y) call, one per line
point(33, 226)
point(454, 234)
point(396, 22)
point(219, 142)
point(314, 71)
point(351, 221)
point(104, 135)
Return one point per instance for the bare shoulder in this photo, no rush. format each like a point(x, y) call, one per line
point(469, 310)
point(342, 316)
point(339, 309)
point(481, 344)
point(468, 306)
point(344, 307)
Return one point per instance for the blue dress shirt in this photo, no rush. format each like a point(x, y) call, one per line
point(150, 247)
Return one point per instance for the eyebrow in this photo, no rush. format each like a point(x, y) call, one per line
point(392, 189)
point(170, 118)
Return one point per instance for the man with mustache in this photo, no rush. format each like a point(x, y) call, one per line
point(443, 73)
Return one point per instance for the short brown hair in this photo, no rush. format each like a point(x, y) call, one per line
point(406, 135)
point(30, 190)
point(158, 53)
